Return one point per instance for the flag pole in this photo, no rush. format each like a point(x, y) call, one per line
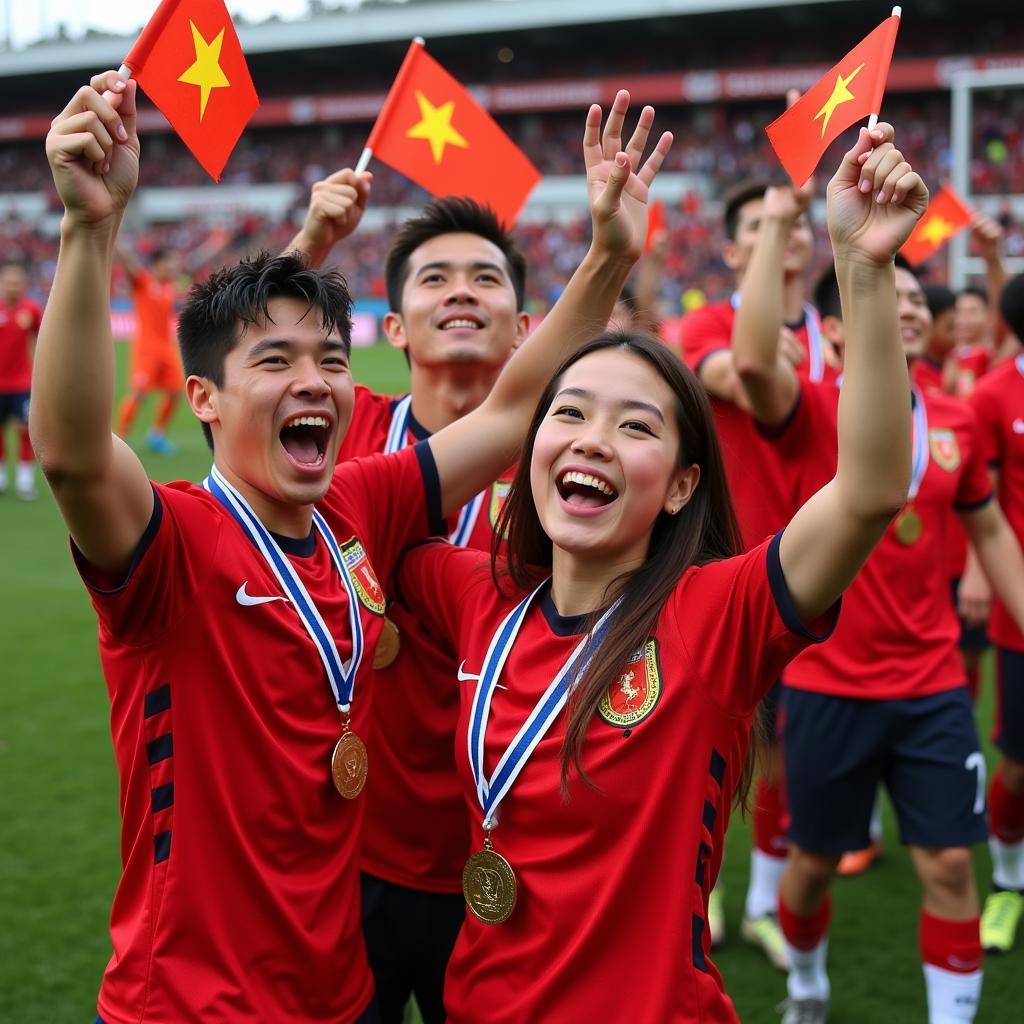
point(897, 12)
point(367, 154)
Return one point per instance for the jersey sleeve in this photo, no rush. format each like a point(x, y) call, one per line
point(987, 412)
point(433, 579)
point(975, 486)
point(807, 443)
point(166, 571)
point(392, 501)
point(739, 626)
point(701, 334)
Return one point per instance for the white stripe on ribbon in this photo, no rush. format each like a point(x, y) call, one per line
point(815, 346)
point(920, 460)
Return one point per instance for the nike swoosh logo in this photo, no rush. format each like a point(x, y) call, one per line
point(469, 677)
point(248, 600)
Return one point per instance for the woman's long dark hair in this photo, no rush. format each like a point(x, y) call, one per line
point(705, 530)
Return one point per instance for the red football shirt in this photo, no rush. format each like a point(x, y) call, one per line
point(18, 325)
point(927, 374)
point(239, 894)
point(756, 481)
point(998, 402)
point(972, 364)
point(416, 831)
point(610, 922)
point(154, 311)
point(899, 631)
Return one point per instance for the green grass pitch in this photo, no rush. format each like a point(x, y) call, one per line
point(59, 817)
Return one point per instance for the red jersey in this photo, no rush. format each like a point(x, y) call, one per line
point(899, 632)
point(972, 363)
point(239, 894)
point(998, 402)
point(154, 314)
point(19, 324)
point(416, 831)
point(927, 374)
point(756, 481)
point(613, 882)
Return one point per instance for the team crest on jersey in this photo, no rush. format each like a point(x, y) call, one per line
point(633, 696)
point(499, 492)
point(944, 448)
point(361, 573)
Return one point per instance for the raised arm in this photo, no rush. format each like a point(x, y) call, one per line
point(101, 487)
point(471, 452)
point(874, 201)
point(336, 206)
point(128, 260)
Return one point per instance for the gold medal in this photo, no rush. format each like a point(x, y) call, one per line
point(909, 526)
point(387, 646)
point(489, 885)
point(349, 764)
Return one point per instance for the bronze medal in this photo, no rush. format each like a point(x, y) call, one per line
point(489, 885)
point(387, 646)
point(349, 765)
point(909, 526)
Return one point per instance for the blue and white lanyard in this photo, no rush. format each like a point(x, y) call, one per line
point(491, 791)
point(398, 438)
point(1020, 364)
point(341, 676)
point(816, 374)
point(920, 460)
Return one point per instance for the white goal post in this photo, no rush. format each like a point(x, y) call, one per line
point(963, 85)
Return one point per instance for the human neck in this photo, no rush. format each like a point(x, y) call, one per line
point(443, 394)
point(580, 586)
point(793, 298)
point(282, 518)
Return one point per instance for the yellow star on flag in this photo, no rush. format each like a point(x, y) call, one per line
point(840, 94)
point(206, 71)
point(435, 125)
point(937, 230)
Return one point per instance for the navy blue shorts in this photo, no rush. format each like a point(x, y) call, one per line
point(973, 639)
point(926, 751)
point(13, 406)
point(1008, 731)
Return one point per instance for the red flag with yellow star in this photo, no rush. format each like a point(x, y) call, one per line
point(947, 215)
point(851, 91)
point(190, 63)
point(431, 130)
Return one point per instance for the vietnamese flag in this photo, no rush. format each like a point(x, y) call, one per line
point(655, 224)
point(851, 91)
point(189, 61)
point(947, 215)
point(431, 130)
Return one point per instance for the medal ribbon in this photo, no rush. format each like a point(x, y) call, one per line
point(1020, 363)
point(398, 438)
point(491, 791)
point(341, 676)
point(816, 373)
point(920, 460)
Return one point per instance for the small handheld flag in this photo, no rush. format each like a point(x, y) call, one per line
point(947, 215)
point(849, 92)
point(432, 130)
point(190, 63)
point(655, 224)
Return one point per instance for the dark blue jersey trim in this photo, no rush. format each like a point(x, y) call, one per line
point(302, 547)
point(162, 797)
point(561, 625)
point(156, 701)
point(783, 601)
point(432, 485)
point(160, 749)
point(161, 846)
point(416, 428)
point(698, 944)
point(86, 569)
point(972, 506)
point(717, 766)
point(709, 815)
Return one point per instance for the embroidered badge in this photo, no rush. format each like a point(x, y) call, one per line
point(944, 448)
point(633, 696)
point(358, 567)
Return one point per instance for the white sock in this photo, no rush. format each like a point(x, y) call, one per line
point(763, 890)
point(808, 978)
point(875, 828)
point(952, 997)
point(25, 476)
point(1007, 864)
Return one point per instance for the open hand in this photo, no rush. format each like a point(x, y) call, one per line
point(93, 150)
point(618, 194)
point(874, 199)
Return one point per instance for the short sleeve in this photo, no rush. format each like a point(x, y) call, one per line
point(702, 333)
point(392, 501)
point(975, 486)
point(166, 572)
point(987, 413)
point(433, 579)
point(739, 626)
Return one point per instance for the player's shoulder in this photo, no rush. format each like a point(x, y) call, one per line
point(993, 385)
point(709, 315)
point(947, 410)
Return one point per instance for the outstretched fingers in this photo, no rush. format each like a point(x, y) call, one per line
point(593, 154)
point(638, 142)
point(652, 165)
point(611, 194)
point(611, 140)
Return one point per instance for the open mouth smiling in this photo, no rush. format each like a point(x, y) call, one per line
point(463, 321)
point(305, 439)
point(585, 490)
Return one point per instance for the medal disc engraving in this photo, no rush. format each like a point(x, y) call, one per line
point(349, 765)
point(489, 885)
point(387, 646)
point(909, 527)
